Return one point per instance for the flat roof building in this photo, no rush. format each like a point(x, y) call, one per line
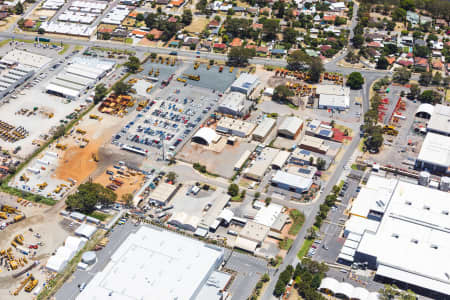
point(234, 104)
point(155, 262)
point(403, 233)
point(333, 96)
point(440, 120)
point(163, 193)
point(290, 127)
point(242, 160)
point(264, 129)
point(260, 165)
point(279, 160)
point(434, 155)
point(245, 84)
point(291, 182)
point(235, 127)
point(314, 144)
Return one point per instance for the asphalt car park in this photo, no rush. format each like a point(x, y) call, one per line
point(170, 118)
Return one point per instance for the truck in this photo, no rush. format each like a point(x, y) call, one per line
point(41, 39)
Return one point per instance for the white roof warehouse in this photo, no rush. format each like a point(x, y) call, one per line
point(434, 155)
point(410, 241)
point(155, 264)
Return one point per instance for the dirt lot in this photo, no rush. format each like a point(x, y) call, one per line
point(197, 25)
point(41, 220)
point(78, 163)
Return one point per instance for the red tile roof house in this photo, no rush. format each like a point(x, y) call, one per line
point(156, 33)
point(390, 60)
point(213, 24)
point(257, 26)
point(29, 23)
point(329, 19)
point(220, 47)
point(421, 63)
point(374, 45)
point(437, 64)
point(102, 32)
point(262, 51)
point(324, 48)
point(237, 42)
point(172, 20)
point(405, 63)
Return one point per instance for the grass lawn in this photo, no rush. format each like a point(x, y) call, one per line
point(128, 41)
point(286, 244)
point(237, 198)
point(64, 49)
point(304, 249)
point(99, 215)
point(298, 219)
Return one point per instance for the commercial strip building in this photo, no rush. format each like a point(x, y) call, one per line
point(314, 144)
point(235, 127)
point(245, 84)
point(82, 74)
point(159, 263)
point(434, 155)
point(290, 127)
point(291, 182)
point(234, 104)
point(401, 230)
point(440, 120)
point(264, 129)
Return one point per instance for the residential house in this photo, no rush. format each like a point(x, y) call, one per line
point(104, 33)
point(420, 43)
point(172, 20)
point(415, 19)
point(156, 34)
point(239, 9)
point(375, 45)
point(220, 47)
point(338, 6)
point(162, 2)
point(437, 45)
point(29, 23)
point(422, 63)
point(237, 42)
point(191, 41)
point(278, 52)
point(329, 19)
point(119, 34)
point(442, 23)
point(405, 63)
point(177, 3)
point(257, 26)
point(390, 59)
point(437, 64)
point(262, 51)
point(206, 45)
point(213, 24)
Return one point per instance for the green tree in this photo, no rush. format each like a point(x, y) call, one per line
point(41, 30)
point(290, 35)
point(298, 61)
point(18, 9)
point(280, 288)
point(321, 164)
point(100, 93)
point(282, 93)
point(414, 91)
point(351, 57)
point(133, 64)
point(172, 176)
point(430, 96)
point(407, 4)
point(127, 199)
point(425, 78)
point(402, 75)
point(186, 17)
point(389, 292)
point(358, 41)
point(421, 51)
point(140, 17)
point(315, 69)
point(398, 14)
point(437, 78)
point(88, 196)
point(355, 80)
point(240, 56)
point(121, 88)
point(268, 201)
point(382, 63)
point(233, 190)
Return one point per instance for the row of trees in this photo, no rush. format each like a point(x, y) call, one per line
point(88, 196)
point(373, 135)
point(300, 61)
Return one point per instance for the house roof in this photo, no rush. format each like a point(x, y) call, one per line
point(220, 45)
point(28, 23)
point(329, 18)
point(421, 61)
point(374, 44)
point(237, 42)
point(105, 30)
point(257, 26)
point(390, 60)
point(262, 49)
point(177, 2)
point(156, 33)
point(213, 23)
point(133, 14)
point(405, 63)
point(172, 20)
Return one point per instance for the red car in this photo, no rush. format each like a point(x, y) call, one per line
point(33, 246)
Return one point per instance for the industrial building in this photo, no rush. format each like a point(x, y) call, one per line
point(245, 84)
point(163, 193)
point(206, 136)
point(333, 96)
point(440, 120)
point(291, 182)
point(314, 144)
point(290, 127)
point(234, 104)
point(235, 127)
point(434, 155)
point(279, 160)
point(213, 218)
point(82, 74)
point(244, 157)
point(400, 229)
point(176, 267)
point(184, 221)
point(264, 129)
point(318, 129)
point(259, 166)
point(25, 58)
point(58, 261)
point(251, 236)
point(13, 76)
point(302, 157)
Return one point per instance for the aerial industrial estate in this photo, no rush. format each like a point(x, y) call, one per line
point(224, 150)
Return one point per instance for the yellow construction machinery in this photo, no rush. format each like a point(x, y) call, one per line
point(390, 130)
point(31, 284)
point(196, 65)
point(61, 146)
point(94, 157)
point(95, 117)
point(42, 186)
point(132, 81)
point(22, 284)
point(18, 218)
point(19, 239)
point(208, 67)
point(10, 209)
point(231, 69)
point(3, 215)
point(181, 79)
point(150, 73)
point(80, 131)
point(24, 177)
point(192, 77)
point(149, 88)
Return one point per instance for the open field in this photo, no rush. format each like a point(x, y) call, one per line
point(197, 25)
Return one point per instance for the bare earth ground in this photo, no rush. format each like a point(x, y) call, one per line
point(197, 25)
